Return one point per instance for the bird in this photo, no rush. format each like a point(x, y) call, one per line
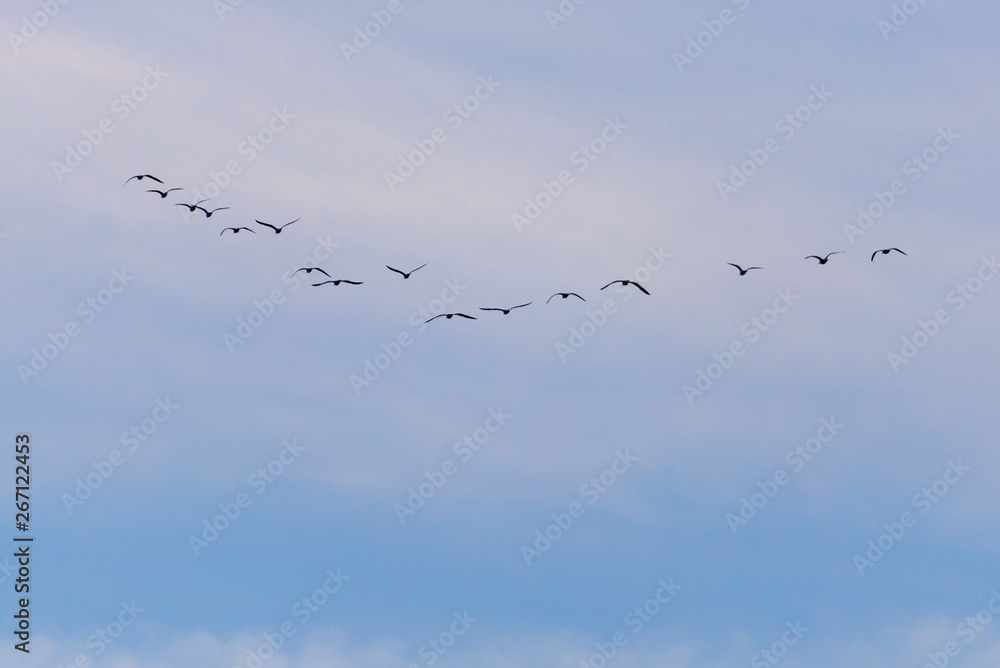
point(208, 214)
point(564, 295)
point(310, 270)
point(163, 193)
point(191, 207)
point(236, 230)
point(449, 316)
point(505, 311)
point(885, 251)
point(403, 273)
point(337, 282)
point(627, 282)
point(277, 230)
point(143, 176)
point(823, 260)
point(742, 270)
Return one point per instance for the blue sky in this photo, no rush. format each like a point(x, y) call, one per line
point(706, 388)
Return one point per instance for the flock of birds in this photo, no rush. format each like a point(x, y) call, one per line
point(406, 274)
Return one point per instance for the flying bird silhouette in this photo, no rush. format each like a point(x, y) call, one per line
point(403, 273)
point(338, 282)
point(141, 177)
point(564, 295)
point(191, 207)
point(163, 193)
point(824, 260)
point(277, 230)
point(449, 316)
point(742, 270)
point(310, 270)
point(208, 214)
point(505, 311)
point(885, 251)
point(627, 282)
point(236, 230)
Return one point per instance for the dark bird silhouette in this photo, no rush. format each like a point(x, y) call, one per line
point(337, 282)
point(626, 282)
point(564, 295)
point(403, 273)
point(277, 230)
point(236, 230)
point(449, 316)
point(505, 311)
point(163, 193)
point(885, 251)
point(191, 207)
point(310, 270)
point(742, 270)
point(824, 260)
point(208, 214)
point(141, 177)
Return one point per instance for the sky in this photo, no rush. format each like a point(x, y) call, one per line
point(231, 467)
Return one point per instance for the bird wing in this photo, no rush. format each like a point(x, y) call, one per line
point(395, 270)
point(266, 225)
point(150, 176)
point(219, 209)
point(224, 231)
point(316, 285)
point(610, 284)
point(466, 316)
point(815, 256)
point(735, 265)
point(248, 230)
point(520, 305)
point(640, 287)
point(287, 224)
point(490, 309)
point(418, 268)
point(874, 254)
point(353, 282)
point(577, 296)
point(897, 250)
point(552, 297)
point(434, 318)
